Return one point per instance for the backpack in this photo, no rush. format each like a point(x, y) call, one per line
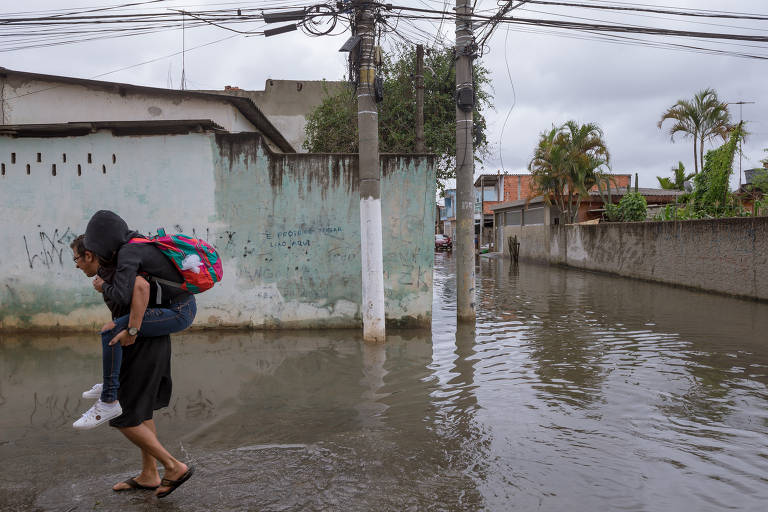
point(196, 260)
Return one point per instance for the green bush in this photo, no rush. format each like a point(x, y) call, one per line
point(633, 208)
point(612, 213)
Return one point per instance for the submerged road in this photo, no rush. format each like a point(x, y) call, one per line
point(575, 391)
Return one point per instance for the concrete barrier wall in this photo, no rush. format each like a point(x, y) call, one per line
point(287, 227)
point(534, 241)
point(721, 255)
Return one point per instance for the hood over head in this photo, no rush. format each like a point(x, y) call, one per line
point(106, 233)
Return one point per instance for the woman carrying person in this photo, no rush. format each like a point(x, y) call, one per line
point(145, 373)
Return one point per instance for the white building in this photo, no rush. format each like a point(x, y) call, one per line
point(38, 99)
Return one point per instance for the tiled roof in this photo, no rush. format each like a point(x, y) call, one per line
point(642, 191)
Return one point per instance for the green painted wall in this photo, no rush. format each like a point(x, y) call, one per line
point(297, 229)
point(287, 226)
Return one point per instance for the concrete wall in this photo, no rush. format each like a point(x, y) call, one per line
point(534, 241)
point(286, 225)
point(287, 102)
point(29, 101)
point(722, 255)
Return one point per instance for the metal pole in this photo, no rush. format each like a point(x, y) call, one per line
point(741, 120)
point(369, 181)
point(741, 104)
point(465, 207)
point(420, 99)
point(482, 209)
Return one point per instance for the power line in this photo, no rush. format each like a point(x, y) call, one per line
point(699, 14)
point(132, 66)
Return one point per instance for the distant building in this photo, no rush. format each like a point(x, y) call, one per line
point(39, 99)
point(750, 191)
point(492, 190)
point(535, 211)
point(448, 214)
point(288, 102)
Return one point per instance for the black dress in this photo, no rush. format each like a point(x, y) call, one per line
point(145, 380)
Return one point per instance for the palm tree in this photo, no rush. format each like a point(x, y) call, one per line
point(547, 168)
point(566, 164)
point(703, 118)
point(680, 178)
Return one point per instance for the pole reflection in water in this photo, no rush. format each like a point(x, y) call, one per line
point(573, 391)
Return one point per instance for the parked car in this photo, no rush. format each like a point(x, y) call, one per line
point(443, 243)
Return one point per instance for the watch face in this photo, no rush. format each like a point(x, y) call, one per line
point(133, 331)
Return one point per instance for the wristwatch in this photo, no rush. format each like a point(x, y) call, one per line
point(133, 331)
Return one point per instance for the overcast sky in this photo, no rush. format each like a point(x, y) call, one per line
point(623, 88)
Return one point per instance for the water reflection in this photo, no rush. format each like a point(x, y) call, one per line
point(260, 414)
point(573, 391)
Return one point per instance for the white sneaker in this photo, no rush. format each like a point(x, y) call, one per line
point(94, 392)
point(98, 414)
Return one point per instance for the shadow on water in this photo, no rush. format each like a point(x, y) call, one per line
point(573, 390)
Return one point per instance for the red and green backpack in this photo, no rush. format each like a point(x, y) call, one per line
point(196, 260)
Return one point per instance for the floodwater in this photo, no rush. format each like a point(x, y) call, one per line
point(576, 391)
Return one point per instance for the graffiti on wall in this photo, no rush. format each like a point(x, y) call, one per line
point(47, 248)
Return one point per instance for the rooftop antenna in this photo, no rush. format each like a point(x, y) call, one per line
point(183, 50)
point(741, 104)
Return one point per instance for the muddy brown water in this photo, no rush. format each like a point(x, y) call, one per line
point(575, 391)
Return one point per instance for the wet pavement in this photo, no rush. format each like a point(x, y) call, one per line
point(575, 391)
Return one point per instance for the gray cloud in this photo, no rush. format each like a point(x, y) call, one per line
point(623, 88)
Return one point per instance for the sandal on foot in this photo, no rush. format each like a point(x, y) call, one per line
point(133, 485)
point(173, 484)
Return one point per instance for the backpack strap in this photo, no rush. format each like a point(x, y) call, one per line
point(172, 284)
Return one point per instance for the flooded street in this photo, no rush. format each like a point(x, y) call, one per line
point(575, 391)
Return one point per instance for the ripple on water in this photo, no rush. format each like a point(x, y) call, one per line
point(572, 391)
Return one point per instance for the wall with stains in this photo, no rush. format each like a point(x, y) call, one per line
point(287, 227)
point(727, 256)
point(287, 102)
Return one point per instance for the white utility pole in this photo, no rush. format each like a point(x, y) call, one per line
point(369, 180)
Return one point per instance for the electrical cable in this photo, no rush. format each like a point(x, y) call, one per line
point(132, 66)
point(514, 100)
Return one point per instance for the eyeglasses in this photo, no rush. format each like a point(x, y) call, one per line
point(76, 258)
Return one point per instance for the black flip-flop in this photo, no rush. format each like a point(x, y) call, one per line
point(133, 485)
point(174, 484)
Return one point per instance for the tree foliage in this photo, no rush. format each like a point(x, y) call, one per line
point(633, 208)
point(711, 189)
point(711, 197)
point(679, 178)
point(759, 182)
point(332, 126)
point(567, 162)
point(702, 118)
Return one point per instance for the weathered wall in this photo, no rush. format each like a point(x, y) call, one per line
point(534, 241)
point(721, 255)
point(286, 225)
point(287, 102)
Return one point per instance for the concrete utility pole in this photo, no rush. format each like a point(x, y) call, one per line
point(420, 99)
point(465, 197)
point(369, 179)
